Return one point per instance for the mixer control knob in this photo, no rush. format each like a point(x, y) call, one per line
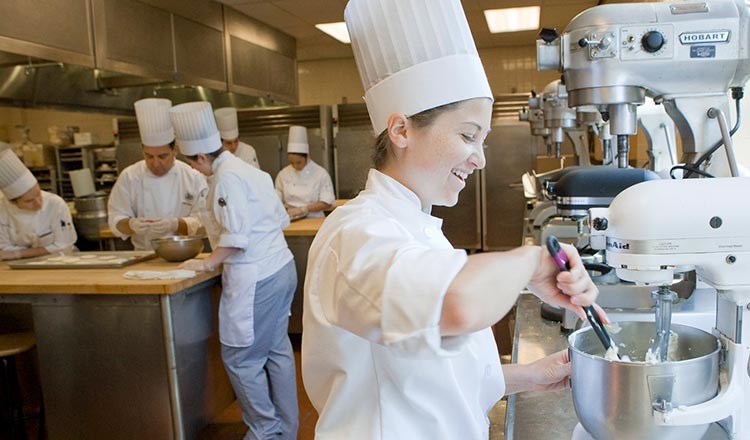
point(600, 224)
point(652, 41)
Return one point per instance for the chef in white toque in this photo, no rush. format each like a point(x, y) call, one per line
point(32, 222)
point(244, 220)
point(226, 120)
point(159, 195)
point(304, 186)
point(397, 340)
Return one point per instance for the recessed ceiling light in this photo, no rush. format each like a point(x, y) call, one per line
point(512, 19)
point(336, 30)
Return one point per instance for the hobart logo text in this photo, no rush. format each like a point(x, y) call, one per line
point(704, 37)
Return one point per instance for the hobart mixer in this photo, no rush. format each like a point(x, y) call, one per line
point(685, 56)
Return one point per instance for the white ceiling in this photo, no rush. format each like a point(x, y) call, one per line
point(298, 18)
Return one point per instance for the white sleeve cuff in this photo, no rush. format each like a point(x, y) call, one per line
point(233, 241)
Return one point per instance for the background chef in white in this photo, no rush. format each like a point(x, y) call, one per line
point(32, 222)
point(226, 120)
point(244, 221)
point(159, 195)
point(397, 341)
point(304, 186)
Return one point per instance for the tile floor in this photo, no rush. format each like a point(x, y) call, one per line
point(229, 426)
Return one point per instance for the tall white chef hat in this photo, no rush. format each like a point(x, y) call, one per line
point(15, 178)
point(226, 120)
point(195, 128)
point(153, 121)
point(297, 140)
point(413, 55)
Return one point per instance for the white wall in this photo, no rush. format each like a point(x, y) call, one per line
point(335, 81)
point(38, 120)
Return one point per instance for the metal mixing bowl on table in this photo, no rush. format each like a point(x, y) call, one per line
point(178, 248)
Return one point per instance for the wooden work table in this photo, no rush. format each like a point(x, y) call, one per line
point(96, 281)
point(306, 227)
point(119, 358)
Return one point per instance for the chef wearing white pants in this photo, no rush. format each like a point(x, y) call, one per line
point(158, 196)
point(32, 222)
point(244, 221)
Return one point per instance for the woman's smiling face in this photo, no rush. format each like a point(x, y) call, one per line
point(442, 155)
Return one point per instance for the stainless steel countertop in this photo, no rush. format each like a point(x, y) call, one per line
point(538, 415)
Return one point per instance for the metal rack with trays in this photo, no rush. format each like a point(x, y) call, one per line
point(105, 168)
point(47, 178)
point(76, 157)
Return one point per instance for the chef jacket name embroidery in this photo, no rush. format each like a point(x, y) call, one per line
point(222, 202)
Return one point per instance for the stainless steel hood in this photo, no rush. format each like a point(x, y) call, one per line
point(104, 55)
point(30, 82)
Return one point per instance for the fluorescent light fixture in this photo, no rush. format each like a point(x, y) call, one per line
point(336, 30)
point(512, 19)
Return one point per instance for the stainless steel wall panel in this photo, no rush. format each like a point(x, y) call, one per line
point(58, 30)
point(133, 37)
point(208, 13)
point(245, 28)
point(199, 54)
point(261, 61)
point(509, 153)
point(249, 64)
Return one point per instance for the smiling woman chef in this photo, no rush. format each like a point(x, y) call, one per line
point(397, 341)
point(32, 222)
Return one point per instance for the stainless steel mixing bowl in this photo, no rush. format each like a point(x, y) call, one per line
point(613, 399)
point(177, 247)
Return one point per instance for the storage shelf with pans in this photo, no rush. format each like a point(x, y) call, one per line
point(76, 157)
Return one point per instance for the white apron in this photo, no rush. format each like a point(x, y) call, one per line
point(236, 307)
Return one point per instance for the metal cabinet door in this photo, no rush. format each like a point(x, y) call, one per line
point(268, 149)
point(462, 223)
point(352, 157)
point(510, 153)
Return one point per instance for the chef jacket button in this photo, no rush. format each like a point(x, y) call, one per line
point(429, 232)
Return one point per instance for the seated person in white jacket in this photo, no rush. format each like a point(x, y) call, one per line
point(304, 186)
point(32, 222)
point(158, 196)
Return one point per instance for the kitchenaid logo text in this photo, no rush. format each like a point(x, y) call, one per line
point(613, 244)
point(704, 37)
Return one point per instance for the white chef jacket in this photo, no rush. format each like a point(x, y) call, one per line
point(373, 361)
point(139, 193)
point(247, 153)
point(51, 227)
point(302, 188)
point(243, 211)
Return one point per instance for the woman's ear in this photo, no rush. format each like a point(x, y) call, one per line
point(398, 125)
